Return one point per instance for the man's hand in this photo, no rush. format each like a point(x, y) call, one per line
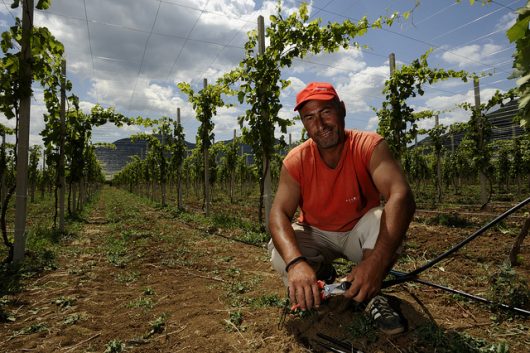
point(303, 288)
point(366, 280)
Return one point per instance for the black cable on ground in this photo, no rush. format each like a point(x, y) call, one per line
point(467, 295)
point(412, 275)
point(402, 277)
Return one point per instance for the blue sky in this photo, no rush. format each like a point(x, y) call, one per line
point(130, 54)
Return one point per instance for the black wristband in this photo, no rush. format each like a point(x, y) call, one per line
point(293, 261)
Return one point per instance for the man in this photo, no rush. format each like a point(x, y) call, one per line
point(337, 178)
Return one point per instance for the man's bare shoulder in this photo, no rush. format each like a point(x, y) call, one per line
point(356, 135)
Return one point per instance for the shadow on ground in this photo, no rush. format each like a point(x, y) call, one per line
point(346, 322)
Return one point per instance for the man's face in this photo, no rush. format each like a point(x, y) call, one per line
point(324, 122)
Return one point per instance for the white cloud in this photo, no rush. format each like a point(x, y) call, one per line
point(36, 120)
point(131, 53)
point(450, 113)
point(440, 103)
point(471, 54)
point(506, 22)
point(362, 87)
point(372, 124)
point(340, 63)
point(85, 106)
point(451, 84)
point(333, 65)
point(292, 90)
point(225, 121)
point(234, 8)
point(9, 123)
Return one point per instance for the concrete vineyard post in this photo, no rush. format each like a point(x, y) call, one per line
point(23, 133)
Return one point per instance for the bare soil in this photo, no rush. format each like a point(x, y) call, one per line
point(132, 264)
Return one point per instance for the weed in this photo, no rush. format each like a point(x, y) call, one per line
point(114, 346)
point(295, 312)
point(127, 277)
point(64, 302)
point(40, 254)
point(505, 229)
point(430, 337)
point(149, 291)
point(10, 278)
point(73, 318)
point(235, 291)
point(255, 238)
point(181, 257)
point(188, 217)
point(221, 220)
point(508, 288)
point(239, 287)
point(458, 298)
point(235, 321)
point(4, 315)
point(117, 252)
point(362, 327)
point(131, 235)
point(157, 326)
point(38, 327)
point(269, 300)
point(233, 272)
point(142, 302)
point(411, 245)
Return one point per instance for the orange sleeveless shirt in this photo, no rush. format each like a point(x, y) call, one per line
point(335, 199)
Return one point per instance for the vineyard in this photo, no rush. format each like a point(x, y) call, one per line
point(165, 248)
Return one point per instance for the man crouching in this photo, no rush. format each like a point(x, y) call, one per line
point(337, 178)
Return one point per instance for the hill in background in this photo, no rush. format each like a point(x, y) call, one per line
point(113, 160)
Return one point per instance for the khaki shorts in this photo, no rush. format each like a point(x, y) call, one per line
point(321, 247)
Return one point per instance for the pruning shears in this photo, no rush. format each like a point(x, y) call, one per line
point(328, 290)
point(333, 289)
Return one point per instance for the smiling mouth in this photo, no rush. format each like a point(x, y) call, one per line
point(326, 133)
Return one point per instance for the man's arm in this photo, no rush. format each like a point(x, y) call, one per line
point(399, 208)
point(303, 287)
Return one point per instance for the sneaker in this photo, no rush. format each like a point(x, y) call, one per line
point(384, 316)
point(327, 273)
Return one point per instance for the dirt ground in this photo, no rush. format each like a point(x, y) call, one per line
point(144, 279)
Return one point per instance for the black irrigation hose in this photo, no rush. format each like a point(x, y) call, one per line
point(412, 275)
point(467, 295)
point(343, 345)
point(330, 348)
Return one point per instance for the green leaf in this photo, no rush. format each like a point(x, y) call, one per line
point(524, 101)
point(521, 81)
point(518, 30)
point(44, 4)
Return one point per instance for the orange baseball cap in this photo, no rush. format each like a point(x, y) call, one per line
point(315, 90)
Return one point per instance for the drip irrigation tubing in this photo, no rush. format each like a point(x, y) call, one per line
point(412, 275)
point(464, 294)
